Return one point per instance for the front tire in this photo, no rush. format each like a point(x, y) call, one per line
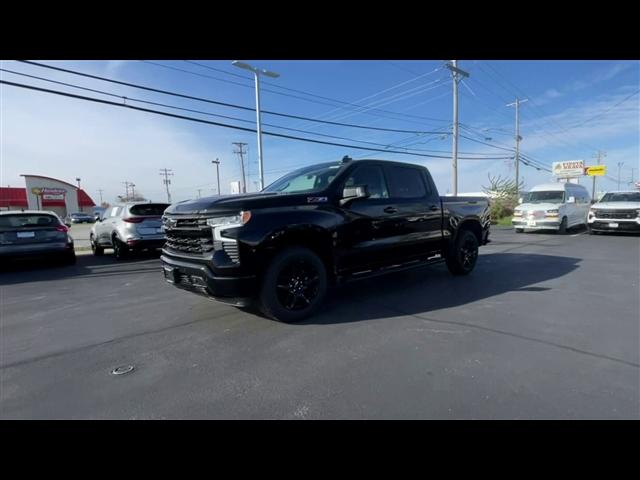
point(95, 248)
point(563, 226)
point(462, 258)
point(294, 285)
point(519, 230)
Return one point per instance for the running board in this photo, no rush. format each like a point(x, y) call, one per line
point(352, 277)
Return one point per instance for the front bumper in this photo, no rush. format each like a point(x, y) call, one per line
point(607, 225)
point(199, 278)
point(542, 224)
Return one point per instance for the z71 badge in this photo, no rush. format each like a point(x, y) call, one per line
point(316, 199)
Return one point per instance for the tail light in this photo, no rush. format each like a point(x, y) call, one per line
point(140, 219)
point(62, 228)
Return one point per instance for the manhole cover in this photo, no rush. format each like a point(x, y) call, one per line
point(122, 370)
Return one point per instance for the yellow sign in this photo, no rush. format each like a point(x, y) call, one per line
point(596, 171)
point(36, 191)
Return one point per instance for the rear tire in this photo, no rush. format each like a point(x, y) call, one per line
point(462, 259)
point(294, 285)
point(120, 249)
point(97, 250)
point(519, 230)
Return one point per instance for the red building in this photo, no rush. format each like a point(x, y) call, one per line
point(46, 193)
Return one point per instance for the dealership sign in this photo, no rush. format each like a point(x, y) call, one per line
point(596, 170)
point(49, 193)
point(570, 168)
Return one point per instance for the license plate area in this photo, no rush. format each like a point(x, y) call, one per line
point(613, 225)
point(531, 223)
point(26, 234)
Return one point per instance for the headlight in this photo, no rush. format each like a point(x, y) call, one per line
point(517, 213)
point(552, 213)
point(638, 213)
point(240, 219)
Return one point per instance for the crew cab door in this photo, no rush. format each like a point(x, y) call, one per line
point(417, 211)
point(366, 239)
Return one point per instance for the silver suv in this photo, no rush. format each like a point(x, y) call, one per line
point(127, 227)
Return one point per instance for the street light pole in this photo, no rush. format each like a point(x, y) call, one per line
point(257, 72)
point(79, 204)
point(619, 167)
point(217, 163)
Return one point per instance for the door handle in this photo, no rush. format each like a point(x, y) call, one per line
point(390, 210)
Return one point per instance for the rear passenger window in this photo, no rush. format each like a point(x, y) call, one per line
point(406, 182)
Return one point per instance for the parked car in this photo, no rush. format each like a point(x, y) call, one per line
point(34, 233)
point(552, 206)
point(80, 217)
point(319, 226)
point(128, 227)
point(615, 212)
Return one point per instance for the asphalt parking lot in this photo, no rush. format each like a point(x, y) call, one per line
point(545, 327)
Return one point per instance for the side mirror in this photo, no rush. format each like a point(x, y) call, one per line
point(354, 192)
point(67, 223)
point(571, 200)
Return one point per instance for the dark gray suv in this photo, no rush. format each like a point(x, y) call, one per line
point(34, 233)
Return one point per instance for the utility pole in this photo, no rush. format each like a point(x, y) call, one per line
point(518, 138)
point(240, 152)
point(217, 163)
point(133, 192)
point(456, 73)
point(166, 173)
point(126, 189)
point(599, 156)
point(199, 190)
point(632, 176)
point(619, 167)
point(101, 202)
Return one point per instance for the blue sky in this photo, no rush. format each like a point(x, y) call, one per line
point(574, 109)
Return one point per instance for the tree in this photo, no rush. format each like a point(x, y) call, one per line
point(503, 196)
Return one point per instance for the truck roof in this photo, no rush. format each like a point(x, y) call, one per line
point(556, 187)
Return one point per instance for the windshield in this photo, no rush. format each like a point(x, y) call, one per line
point(544, 197)
point(306, 179)
point(621, 197)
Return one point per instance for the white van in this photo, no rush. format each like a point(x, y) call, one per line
point(552, 206)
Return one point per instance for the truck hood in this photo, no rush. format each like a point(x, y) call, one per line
point(247, 201)
point(616, 206)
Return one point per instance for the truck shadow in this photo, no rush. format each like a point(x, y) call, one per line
point(432, 288)
point(90, 266)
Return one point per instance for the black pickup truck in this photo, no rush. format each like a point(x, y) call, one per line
point(315, 227)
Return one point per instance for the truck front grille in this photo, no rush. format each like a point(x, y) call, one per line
point(620, 214)
point(192, 236)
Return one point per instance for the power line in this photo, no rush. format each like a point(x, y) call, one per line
point(199, 120)
point(214, 102)
point(125, 98)
point(605, 112)
point(349, 104)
